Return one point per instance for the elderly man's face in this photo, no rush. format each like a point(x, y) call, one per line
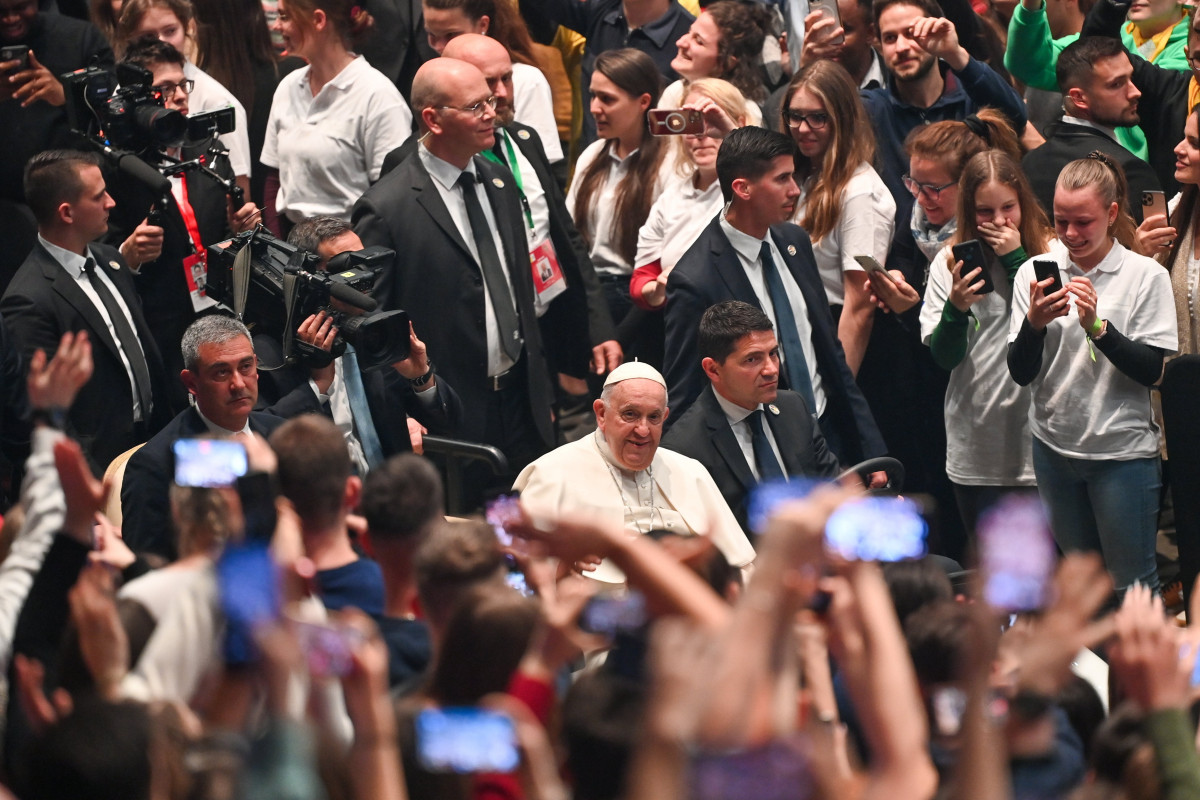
point(632, 421)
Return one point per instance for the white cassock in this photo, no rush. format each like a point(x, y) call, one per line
point(674, 493)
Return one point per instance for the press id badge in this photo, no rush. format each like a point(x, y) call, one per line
point(195, 272)
point(548, 280)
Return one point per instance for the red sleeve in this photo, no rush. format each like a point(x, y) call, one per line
point(641, 276)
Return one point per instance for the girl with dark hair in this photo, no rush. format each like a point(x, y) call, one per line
point(533, 102)
point(331, 123)
point(845, 206)
point(987, 439)
point(233, 44)
point(724, 42)
point(617, 179)
point(1095, 445)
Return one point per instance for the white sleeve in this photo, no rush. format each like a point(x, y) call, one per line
point(865, 228)
point(937, 292)
point(270, 151)
point(650, 237)
point(1020, 299)
point(387, 126)
point(45, 507)
point(533, 105)
point(1153, 321)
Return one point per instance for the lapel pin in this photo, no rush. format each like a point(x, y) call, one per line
point(522, 134)
point(499, 184)
point(774, 409)
point(791, 252)
point(114, 265)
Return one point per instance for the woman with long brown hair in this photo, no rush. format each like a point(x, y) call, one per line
point(617, 179)
point(845, 206)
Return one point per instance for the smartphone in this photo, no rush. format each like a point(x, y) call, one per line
point(675, 121)
point(829, 9)
point(948, 704)
point(778, 770)
point(877, 529)
point(972, 254)
point(869, 264)
point(466, 740)
point(15, 52)
point(328, 647)
point(248, 582)
point(769, 495)
point(501, 512)
point(1153, 202)
point(1045, 268)
point(1016, 553)
point(209, 463)
point(612, 614)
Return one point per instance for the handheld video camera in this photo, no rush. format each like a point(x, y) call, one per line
point(275, 286)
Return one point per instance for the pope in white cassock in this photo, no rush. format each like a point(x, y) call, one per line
point(620, 475)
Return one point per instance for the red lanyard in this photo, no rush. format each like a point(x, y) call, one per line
point(189, 217)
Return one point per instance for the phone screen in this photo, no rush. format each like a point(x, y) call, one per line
point(610, 614)
point(877, 529)
point(769, 495)
point(249, 589)
point(1016, 553)
point(466, 740)
point(209, 463)
point(502, 511)
point(328, 648)
point(778, 770)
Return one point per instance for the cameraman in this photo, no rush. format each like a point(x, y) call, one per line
point(371, 408)
point(169, 260)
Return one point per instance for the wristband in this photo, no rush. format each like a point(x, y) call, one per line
point(1097, 328)
point(417, 383)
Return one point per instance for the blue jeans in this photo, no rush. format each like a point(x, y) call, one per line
point(1105, 506)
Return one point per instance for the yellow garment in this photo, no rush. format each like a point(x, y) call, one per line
point(693, 6)
point(570, 44)
point(1160, 39)
point(1193, 94)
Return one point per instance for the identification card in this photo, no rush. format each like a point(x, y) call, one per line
point(195, 272)
point(548, 280)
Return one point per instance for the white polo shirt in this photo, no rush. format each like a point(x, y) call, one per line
point(533, 105)
point(330, 148)
point(1085, 408)
point(209, 95)
point(677, 218)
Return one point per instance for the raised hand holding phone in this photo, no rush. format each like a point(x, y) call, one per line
point(964, 292)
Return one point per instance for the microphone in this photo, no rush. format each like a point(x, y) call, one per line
point(135, 168)
point(352, 296)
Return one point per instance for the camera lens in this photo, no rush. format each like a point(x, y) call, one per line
point(675, 122)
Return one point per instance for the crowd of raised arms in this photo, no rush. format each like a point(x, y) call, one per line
point(599, 399)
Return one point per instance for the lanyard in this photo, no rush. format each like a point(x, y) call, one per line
point(189, 217)
point(513, 167)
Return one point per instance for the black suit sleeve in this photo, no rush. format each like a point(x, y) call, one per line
point(145, 505)
point(685, 379)
point(14, 415)
point(31, 326)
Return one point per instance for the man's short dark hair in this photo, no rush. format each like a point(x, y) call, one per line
point(747, 153)
point(929, 8)
point(147, 50)
point(1076, 63)
point(455, 558)
point(52, 178)
point(401, 499)
point(100, 750)
point(314, 465)
point(724, 324)
point(309, 234)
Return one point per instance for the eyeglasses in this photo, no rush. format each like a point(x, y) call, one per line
point(168, 89)
point(1194, 61)
point(930, 191)
point(478, 109)
point(817, 120)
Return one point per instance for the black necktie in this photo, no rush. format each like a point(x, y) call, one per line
point(794, 364)
point(493, 271)
point(125, 336)
point(764, 456)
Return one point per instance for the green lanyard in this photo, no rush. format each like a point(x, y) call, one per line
point(514, 167)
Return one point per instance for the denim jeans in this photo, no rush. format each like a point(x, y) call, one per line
point(1106, 506)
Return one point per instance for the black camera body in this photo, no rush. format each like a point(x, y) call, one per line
point(127, 108)
point(284, 286)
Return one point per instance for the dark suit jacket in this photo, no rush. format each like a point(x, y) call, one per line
point(145, 505)
point(568, 343)
point(389, 396)
point(703, 433)
point(41, 304)
point(710, 273)
point(1066, 143)
point(441, 287)
point(161, 283)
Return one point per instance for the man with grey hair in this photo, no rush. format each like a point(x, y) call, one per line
point(619, 475)
point(220, 373)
